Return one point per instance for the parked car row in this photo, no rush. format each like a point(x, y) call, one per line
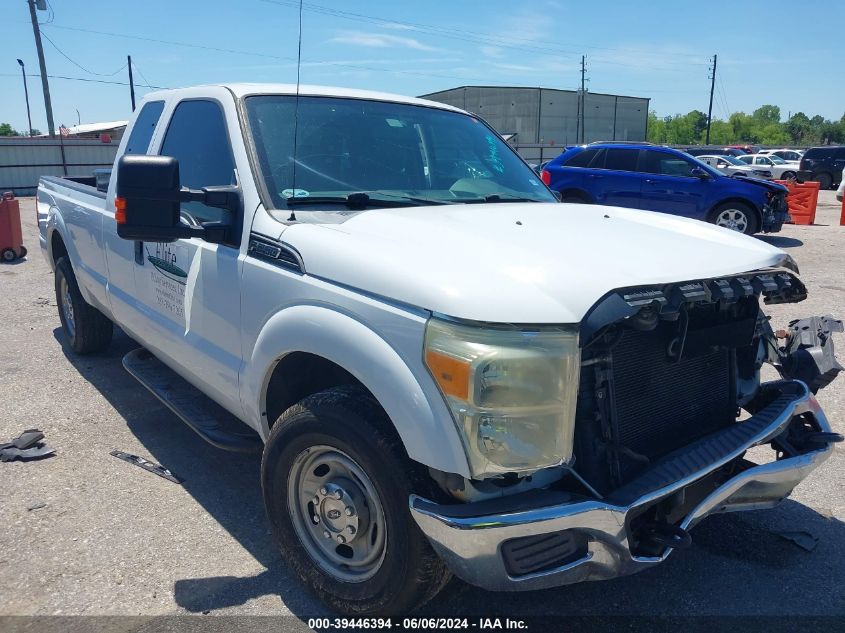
point(659, 178)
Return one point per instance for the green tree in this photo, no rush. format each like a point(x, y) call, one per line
point(7, 130)
point(766, 114)
point(799, 128)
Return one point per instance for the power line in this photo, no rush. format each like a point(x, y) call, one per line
point(85, 79)
point(140, 72)
point(77, 64)
point(264, 55)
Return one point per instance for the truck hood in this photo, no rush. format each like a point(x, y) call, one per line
point(518, 263)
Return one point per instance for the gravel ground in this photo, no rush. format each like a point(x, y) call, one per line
point(84, 533)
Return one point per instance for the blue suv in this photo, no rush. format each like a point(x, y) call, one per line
point(657, 178)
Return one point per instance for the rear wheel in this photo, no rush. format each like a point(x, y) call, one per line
point(788, 175)
point(336, 483)
point(735, 216)
point(8, 255)
point(87, 329)
point(825, 180)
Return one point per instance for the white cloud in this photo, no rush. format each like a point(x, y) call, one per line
point(492, 51)
point(382, 40)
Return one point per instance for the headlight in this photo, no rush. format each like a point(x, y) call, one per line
point(512, 392)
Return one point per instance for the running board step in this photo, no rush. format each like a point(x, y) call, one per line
point(211, 422)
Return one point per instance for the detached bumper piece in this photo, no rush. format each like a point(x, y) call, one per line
point(808, 354)
point(25, 447)
point(551, 538)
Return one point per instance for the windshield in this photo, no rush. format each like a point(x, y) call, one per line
point(733, 160)
point(777, 160)
point(413, 154)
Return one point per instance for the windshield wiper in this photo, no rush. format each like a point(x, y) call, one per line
point(362, 200)
point(495, 197)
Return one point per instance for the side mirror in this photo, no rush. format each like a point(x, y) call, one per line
point(148, 199)
point(698, 172)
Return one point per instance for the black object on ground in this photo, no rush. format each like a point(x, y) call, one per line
point(152, 467)
point(25, 447)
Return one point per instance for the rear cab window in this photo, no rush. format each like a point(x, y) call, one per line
point(143, 128)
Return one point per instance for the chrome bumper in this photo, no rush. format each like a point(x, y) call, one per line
point(472, 545)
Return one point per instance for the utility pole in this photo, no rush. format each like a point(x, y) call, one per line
point(131, 82)
point(710, 109)
point(26, 94)
point(583, 104)
point(48, 106)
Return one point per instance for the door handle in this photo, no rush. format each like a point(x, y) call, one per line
point(595, 176)
point(649, 181)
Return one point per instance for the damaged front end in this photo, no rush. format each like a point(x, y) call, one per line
point(669, 403)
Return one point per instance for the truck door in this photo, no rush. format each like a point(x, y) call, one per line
point(189, 289)
point(121, 254)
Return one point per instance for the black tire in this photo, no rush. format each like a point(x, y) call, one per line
point(752, 221)
point(23, 252)
point(8, 255)
point(87, 329)
point(788, 175)
point(825, 180)
point(349, 420)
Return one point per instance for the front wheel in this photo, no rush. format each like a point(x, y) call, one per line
point(336, 485)
point(735, 216)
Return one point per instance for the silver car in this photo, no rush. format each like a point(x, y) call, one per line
point(732, 166)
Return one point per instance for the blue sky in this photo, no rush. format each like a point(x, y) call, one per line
point(784, 53)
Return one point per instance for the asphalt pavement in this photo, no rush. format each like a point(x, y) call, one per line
point(84, 533)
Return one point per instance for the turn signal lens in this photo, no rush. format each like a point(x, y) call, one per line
point(546, 177)
point(451, 374)
point(120, 210)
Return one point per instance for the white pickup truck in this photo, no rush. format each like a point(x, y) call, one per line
point(446, 371)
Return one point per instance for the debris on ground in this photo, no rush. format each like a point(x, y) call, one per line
point(36, 506)
point(147, 465)
point(25, 447)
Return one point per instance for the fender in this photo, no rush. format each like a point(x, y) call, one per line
point(415, 407)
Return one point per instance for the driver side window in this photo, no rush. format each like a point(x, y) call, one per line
point(198, 139)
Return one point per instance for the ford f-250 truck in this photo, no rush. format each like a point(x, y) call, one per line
point(446, 371)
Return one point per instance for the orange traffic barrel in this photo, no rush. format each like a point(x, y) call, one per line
point(803, 198)
point(11, 237)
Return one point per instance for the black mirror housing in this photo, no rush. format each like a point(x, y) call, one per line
point(148, 190)
point(149, 196)
point(698, 172)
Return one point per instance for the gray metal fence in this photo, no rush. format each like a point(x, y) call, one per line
point(545, 120)
point(24, 160)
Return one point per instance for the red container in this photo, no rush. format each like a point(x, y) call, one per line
point(11, 237)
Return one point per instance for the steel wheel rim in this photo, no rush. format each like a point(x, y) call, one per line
point(67, 307)
point(733, 219)
point(337, 514)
